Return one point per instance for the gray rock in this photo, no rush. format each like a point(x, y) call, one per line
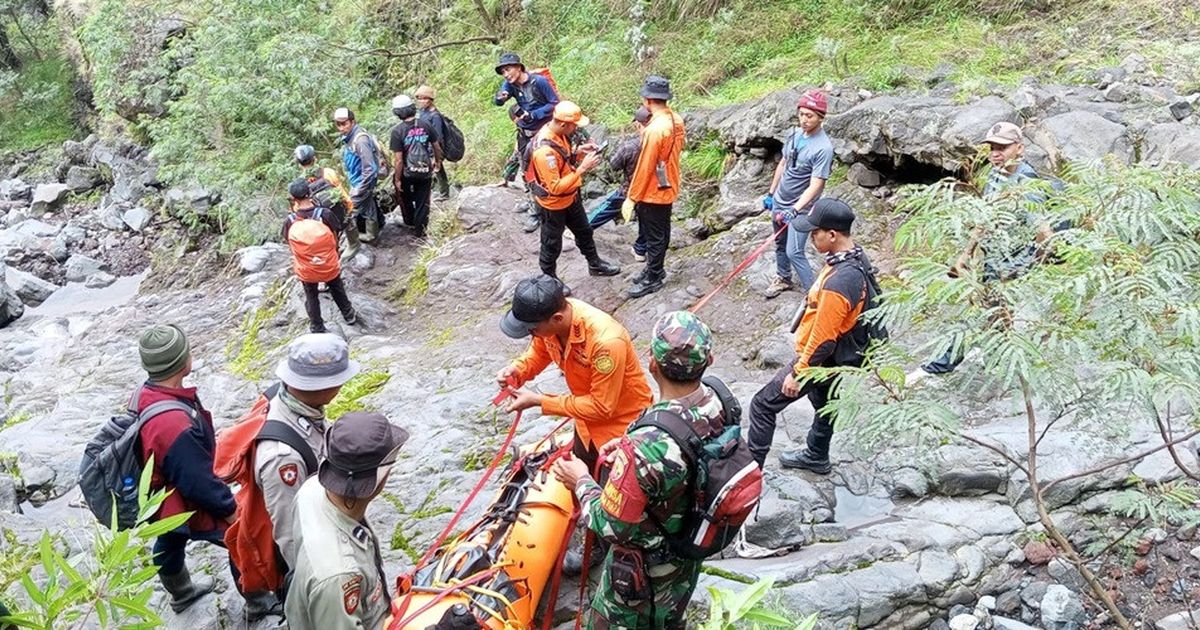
point(863, 175)
point(962, 470)
point(1120, 92)
point(83, 178)
point(775, 351)
point(1180, 109)
point(99, 280)
point(479, 207)
point(1062, 609)
point(1135, 63)
point(364, 260)
point(786, 512)
point(1032, 595)
point(78, 152)
point(1004, 623)
point(1182, 620)
point(1082, 135)
point(15, 190)
point(70, 235)
point(1172, 142)
point(47, 197)
point(882, 588)
point(1066, 574)
point(1105, 77)
point(137, 218)
point(939, 624)
point(79, 267)
point(988, 602)
point(1008, 602)
point(194, 198)
point(11, 306)
point(8, 494)
point(31, 289)
point(964, 622)
point(984, 517)
point(111, 212)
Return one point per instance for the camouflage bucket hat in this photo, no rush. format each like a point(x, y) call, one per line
point(682, 345)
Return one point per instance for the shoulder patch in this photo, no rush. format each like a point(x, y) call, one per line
point(352, 594)
point(289, 474)
point(622, 498)
point(552, 161)
point(603, 361)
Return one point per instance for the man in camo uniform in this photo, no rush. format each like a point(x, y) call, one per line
point(646, 496)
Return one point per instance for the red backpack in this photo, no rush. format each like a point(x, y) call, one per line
point(725, 481)
point(314, 248)
point(251, 537)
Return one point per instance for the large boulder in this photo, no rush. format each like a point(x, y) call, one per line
point(1062, 609)
point(789, 507)
point(1172, 142)
point(79, 268)
point(83, 178)
point(137, 218)
point(10, 305)
point(31, 289)
point(1080, 136)
point(15, 190)
point(192, 199)
point(46, 197)
point(479, 207)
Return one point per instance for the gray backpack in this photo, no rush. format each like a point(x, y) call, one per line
point(111, 468)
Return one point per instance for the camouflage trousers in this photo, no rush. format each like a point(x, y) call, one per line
point(672, 580)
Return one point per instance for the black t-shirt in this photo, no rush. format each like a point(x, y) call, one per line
point(407, 134)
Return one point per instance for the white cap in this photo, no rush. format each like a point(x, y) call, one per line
point(341, 113)
point(402, 100)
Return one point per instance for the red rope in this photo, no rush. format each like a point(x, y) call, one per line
point(474, 579)
point(738, 269)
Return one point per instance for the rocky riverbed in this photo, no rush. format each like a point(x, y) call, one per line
point(944, 536)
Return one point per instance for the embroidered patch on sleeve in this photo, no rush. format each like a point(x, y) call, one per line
point(552, 162)
point(352, 594)
point(604, 362)
point(289, 474)
point(622, 497)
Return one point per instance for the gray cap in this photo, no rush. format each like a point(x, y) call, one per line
point(357, 446)
point(317, 361)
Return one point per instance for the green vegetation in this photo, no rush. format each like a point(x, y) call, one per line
point(402, 536)
point(729, 611)
point(349, 399)
point(37, 107)
point(246, 352)
point(407, 290)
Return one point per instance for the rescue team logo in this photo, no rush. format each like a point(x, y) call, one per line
point(604, 362)
point(289, 473)
point(552, 162)
point(622, 497)
point(352, 594)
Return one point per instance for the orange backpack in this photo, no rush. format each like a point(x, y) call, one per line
point(251, 538)
point(314, 248)
point(545, 72)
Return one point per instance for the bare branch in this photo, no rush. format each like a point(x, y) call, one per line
point(1164, 431)
point(384, 52)
point(998, 450)
point(1106, 465)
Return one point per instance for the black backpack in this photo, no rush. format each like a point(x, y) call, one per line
point(851, 348)
point(725, 481)
point(111, 468)
point(418, 156)
point(453, 143)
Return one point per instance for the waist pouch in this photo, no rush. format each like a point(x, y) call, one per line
point(628, 574)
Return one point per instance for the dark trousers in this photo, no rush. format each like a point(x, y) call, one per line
point(170, 549)
point(769, 401)
point(554, 222)
point(609, 210)
point(414, 202)
point(312, 302)
point(441, 183)
point(654, 220)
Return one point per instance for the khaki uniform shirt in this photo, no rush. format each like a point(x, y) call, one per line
point(279, 470)
point(338, 582)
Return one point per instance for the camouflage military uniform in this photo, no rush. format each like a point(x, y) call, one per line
point(647, 488)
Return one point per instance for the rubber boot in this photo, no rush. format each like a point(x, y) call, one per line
point(184, 592)
point(261, 604)
point(350, 243)
point(371, 232)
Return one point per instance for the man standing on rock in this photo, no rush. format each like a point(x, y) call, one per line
point(429, 113)
point(646, 497)
point(833, 305)
point(362, 169)
point(655, 184)
point(536, 98)
point(623, 161)
point(182, 445)
point(556, 173)
point(311, 234)
point(800, 177)
point(326, 188)
point(339, 583)
point(418, 155)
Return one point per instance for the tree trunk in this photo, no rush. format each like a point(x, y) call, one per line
point(8, 56)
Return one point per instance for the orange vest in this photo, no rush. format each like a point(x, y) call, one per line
point(662, 141)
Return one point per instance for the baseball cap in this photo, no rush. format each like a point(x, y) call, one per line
point(1003, 133)
point(681, 346)
point(826, 214)
point(299, 189)
point(535, 300)
point(359, 446)
point(401, 101)
point(317, 361)
point(814, 100)
point(342, 113)
point(566, 111)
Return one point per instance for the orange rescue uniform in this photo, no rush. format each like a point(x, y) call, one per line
point(555, 174)
point(832, 307)
point(662, 141)
point(607, 384)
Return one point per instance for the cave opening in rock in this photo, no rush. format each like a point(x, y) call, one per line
point(905, 169)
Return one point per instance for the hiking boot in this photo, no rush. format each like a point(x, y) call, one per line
point(261, 604)
point(184, 592)
point(532, 223)
point(777, 286)
point(573, 562)
point(603, 268)
point(524, 206)
point(317, 328)
point(806, 460)
point(351, 319)
point(639, 257)
point(646, 285)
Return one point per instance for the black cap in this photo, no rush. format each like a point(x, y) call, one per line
point(298, 189)
point(356, 447)
point(827, 214)
point(641, 115)
point(509, 59)
point(534, 301)
point(656, 87)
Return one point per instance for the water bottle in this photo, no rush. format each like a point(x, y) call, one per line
point(127, 486)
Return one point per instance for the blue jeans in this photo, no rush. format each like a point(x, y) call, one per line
point(609, 210)
point(789, 256)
